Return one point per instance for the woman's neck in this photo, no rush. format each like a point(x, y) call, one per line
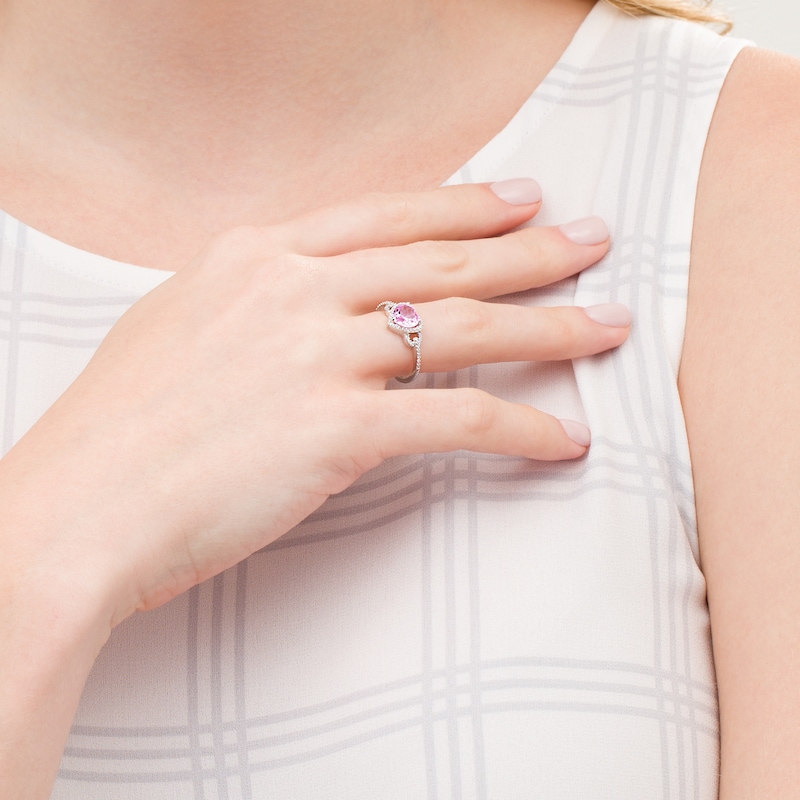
point(248, 110)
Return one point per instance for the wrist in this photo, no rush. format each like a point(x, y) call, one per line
point(60, 560)
point(51, 627)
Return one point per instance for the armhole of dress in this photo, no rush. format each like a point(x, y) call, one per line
point(705, 81)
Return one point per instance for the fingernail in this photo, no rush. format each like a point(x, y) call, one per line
point(589, 230)
point(576, 431)
point(614, 314)
point(518, 191)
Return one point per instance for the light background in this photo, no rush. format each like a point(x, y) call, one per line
point(774, 24)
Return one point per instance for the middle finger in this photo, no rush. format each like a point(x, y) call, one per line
point(478, 268)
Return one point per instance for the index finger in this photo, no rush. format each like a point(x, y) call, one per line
point(471, 211)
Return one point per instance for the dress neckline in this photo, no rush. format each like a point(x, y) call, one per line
point(544, 98)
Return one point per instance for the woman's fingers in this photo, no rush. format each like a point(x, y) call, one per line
point(386, 220)
point(421, 421)
point(459, 332)
point(481, 268)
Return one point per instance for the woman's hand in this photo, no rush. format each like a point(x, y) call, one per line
point(230, 402)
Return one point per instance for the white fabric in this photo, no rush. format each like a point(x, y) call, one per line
point(455, 626)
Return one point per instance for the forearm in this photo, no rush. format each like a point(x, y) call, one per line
point(49, 645)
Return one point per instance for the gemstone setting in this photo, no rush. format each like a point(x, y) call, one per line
point(405, 316)
point(404, 319)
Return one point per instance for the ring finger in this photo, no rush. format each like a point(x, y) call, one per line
point(460, 332)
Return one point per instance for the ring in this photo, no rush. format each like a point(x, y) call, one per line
point(402, 318)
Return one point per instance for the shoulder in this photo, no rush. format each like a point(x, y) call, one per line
point(746, 237)
point(745, 229)
point(756, 126)
point(740, 384)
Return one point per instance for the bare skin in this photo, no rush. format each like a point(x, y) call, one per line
point(311, 113)
point(184, 133)
point(739, 382)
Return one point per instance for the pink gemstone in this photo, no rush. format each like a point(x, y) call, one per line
point(405, 316)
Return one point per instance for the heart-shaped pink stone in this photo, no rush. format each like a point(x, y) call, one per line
point(405, 315)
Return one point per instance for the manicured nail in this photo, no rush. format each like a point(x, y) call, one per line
point(614, 314)
point(577, 431)
point(518, 191)
point(590, 230)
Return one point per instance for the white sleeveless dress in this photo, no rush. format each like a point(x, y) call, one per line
point(453, 626)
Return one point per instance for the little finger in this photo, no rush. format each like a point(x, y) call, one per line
point(439, 421)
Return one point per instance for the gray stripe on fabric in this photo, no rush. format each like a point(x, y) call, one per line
point(525, 662)
point(12, 368)
point(215, 664)
point(476, 699)
point(451, 656)
point(63, 322)
point(661, 373)
point(520, 471)
point(625, 93)
point(666, 76)
point(59, 341)
point(485, 481)
point(382, 480)
point(672, 69)
point(680, 522)
point(495, 485)
point(495, 497)
point(484, 464)
point(192, 693)
point(646, 380)
point(719, 67)
point(488, 666)
point(426, 699)
point(239, 676)
point(626, 181)
point(486, 687)
point(687, 668)
point(665, 387)
point(68, 302)
point(385, 730)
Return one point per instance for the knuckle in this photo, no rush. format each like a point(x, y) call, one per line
point(564, 332)
point(531, 246)
point(367, 419)
point(475, 412)
point(306, 272)
point(471, 318)
point(393, 210)
point(445, 257)
point(296, 279)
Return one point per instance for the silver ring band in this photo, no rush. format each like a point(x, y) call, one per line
point(402, 318)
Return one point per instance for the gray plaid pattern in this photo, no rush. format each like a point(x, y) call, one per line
point(453, 626)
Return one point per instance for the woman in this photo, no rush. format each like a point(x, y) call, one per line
point(453, 625)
